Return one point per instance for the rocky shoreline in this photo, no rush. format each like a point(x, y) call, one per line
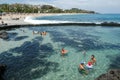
point(18, 20)
point(113, 74)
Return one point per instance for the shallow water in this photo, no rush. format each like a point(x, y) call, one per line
point(34, 57)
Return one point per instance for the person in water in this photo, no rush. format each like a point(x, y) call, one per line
point(93, 59)
point(82, 68)
point(63, 51)
point(44, 33)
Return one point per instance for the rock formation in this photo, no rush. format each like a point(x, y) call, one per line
point(113, 74)
point(3, 35)
point(2, 71)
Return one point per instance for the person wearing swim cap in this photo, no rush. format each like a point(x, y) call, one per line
point(82, 68)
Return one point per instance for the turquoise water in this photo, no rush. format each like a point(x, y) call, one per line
point(34, 57)
point(96, 18)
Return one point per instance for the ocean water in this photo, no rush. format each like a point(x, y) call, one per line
point(74, 18)
point(95, 18)
point(34, 57)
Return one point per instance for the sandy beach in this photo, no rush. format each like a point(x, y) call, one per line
point(17, 19)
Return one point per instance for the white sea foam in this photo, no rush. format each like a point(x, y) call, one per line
point(30, 19)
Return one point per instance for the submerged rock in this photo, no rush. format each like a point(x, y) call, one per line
point(3, 35)
point(113, 74)
point(2, 71)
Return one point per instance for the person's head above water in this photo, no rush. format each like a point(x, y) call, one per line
point(63, 49)
point(82, 63)
point(92, 56)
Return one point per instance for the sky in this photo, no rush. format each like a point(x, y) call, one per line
point(101, 6)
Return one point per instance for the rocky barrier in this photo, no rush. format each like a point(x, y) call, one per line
point(106, 24)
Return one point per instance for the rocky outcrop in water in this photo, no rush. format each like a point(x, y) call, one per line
point(113, 74)
point(2, 71)
point(3, 35)
point(110, 24)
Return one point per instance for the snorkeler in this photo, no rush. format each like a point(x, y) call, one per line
point(63, 51)
point(93, 60)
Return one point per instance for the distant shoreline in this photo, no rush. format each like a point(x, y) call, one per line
point(17, 20)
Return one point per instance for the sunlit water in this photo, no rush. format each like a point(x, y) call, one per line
point(34, 57)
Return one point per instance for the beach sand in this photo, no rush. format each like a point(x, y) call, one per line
point(18, 18)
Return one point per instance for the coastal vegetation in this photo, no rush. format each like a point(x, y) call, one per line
point(27, 8)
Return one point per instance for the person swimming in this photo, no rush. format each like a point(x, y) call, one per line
point(43, 33)
point(82, 69)
point(63, 51)
point(93, 59)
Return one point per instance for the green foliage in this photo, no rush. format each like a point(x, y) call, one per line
point(26, 8)
point(76, 10)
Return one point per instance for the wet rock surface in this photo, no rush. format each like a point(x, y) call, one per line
point(2, 71)
point(3, 35)
point(113, 74)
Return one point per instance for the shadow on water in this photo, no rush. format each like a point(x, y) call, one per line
point(31, 63)
point(20, 38)
point(13, 36)
point(81, 41)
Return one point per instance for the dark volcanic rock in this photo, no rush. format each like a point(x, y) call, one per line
point(110, 24)
point(113, 74)
point(3, 35)
point(2, 71)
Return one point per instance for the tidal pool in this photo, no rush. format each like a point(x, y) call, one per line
point(31, 56)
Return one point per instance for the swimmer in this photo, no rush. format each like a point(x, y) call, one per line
point(82, 69)
point(93, 60)
point(63, 51)
point(43, 33)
